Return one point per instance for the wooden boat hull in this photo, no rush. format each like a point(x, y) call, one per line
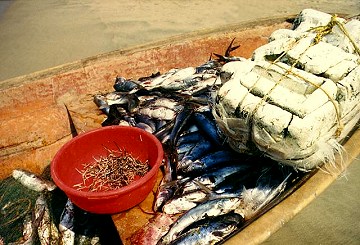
point(34, 122)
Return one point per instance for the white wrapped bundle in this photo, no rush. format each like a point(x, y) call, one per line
point(299, 95)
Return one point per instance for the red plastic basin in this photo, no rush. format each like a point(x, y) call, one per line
point(83, 148)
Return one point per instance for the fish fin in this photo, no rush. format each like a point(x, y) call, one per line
point(73, 130)
point(231, 48)
point(277, 191)
point(209, 193)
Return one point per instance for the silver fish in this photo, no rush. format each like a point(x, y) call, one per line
point(201, 148)
point(184, 203)
point(203, 85)
point(154, 82)
point(165, 191)
point(211, 160)
point(32, 181)
point(100, 101)
point(210, 232)
point(66, 225)
point(158, 112)
point(212, 179)
point(124, 85)
point(146, 120)
point(185, 147)
point(176, 80)
point(254, 199)
point(204, 210)
point(180, 85)
point(47, 231)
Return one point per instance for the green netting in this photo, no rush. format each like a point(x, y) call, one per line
point(17, 204)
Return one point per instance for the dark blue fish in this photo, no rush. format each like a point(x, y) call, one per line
point(180, 122)
point(190, 138)
point(208, 126)
point(199, 150)
point(215, 159)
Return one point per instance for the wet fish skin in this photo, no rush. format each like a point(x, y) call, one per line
point(124, 85)
point(185, 148)
point(183, 203)
point(159, 124)
point(253, 200)
point(144, 126)
point(178, 85)
point(209, 67)
point(150, 83)
point(152, 76)
point(131, 120)
point(211, 160)
point(100, 101)
point(158, 101)
point(158, 112)
point(180, 122)
point(189, 137)
point(66, 224)
point(204, 210)
point(147, 120)
point(163, 133)
point(163, 194)
point(129, 102)
point(32, 181)
point(200, 149)
point(180, 79)
point(208, 126)
point(216, 177)
point(165, 190)
point(47, 230)
point(113, 116)
point(210, 232)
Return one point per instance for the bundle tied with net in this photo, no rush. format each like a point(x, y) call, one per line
point(297, 98)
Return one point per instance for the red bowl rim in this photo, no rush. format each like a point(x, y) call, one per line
point(107, 194)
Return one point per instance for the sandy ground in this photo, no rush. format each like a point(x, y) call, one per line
point(35, 35)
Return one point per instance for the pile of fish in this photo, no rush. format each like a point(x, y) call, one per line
point(209, 191)
point(34, 211)
point(298, 96)
point(220, 121)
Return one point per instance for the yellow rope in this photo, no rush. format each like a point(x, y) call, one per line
point(324, 30)
point(321, 31)
point(341, 126)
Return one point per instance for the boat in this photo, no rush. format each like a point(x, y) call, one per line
point(34, 123)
